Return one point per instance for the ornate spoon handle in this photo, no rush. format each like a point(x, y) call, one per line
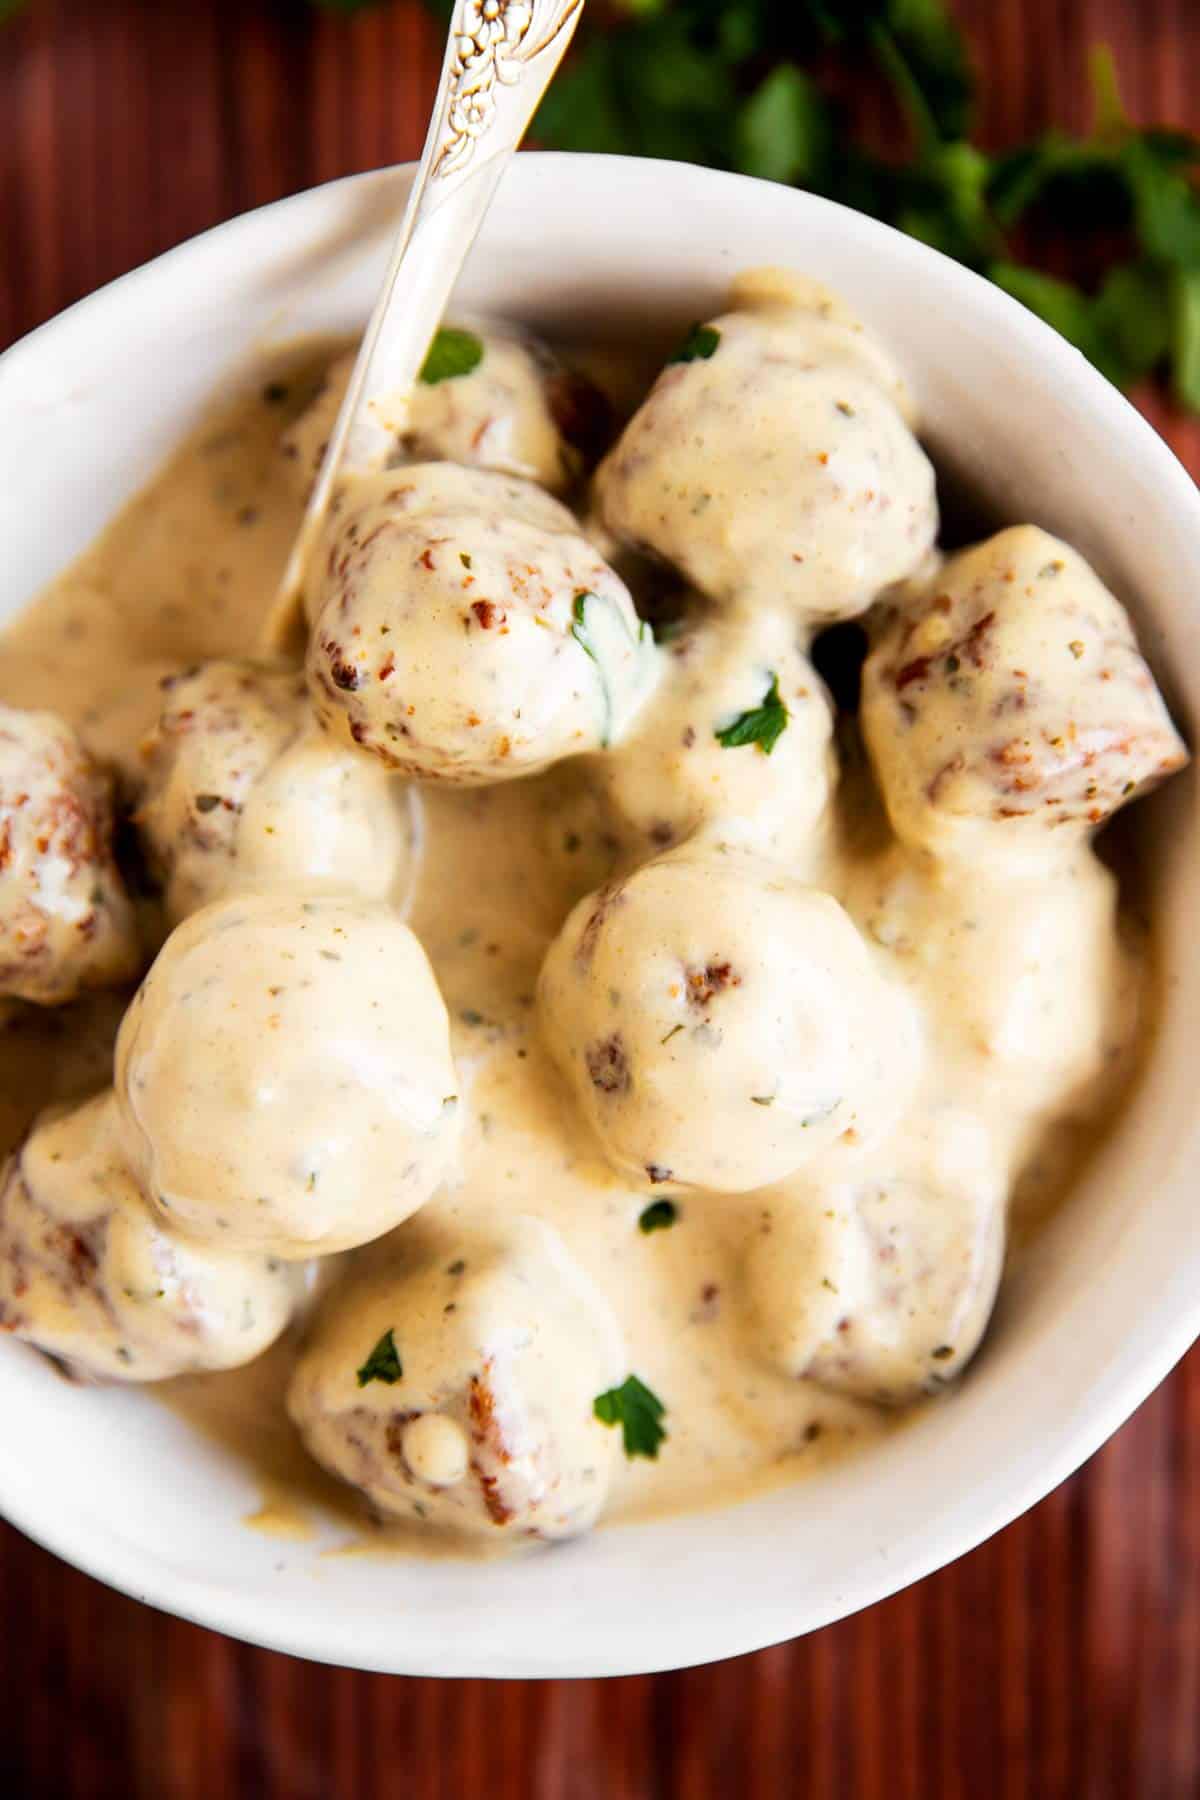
point(500, 57)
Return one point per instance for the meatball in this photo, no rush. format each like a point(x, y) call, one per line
point(466, 630)
point(1010, 691)
point(722, 1025)
point(457, 1385)
point(882, 1288)
point(66, 923)
point(772, 461)
point(517, 409)
point(285, 1077)
point(737, 742)
point(1033, 998)
point(241, 790)
point(91, 1275)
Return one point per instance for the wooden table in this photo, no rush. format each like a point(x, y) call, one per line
point(1062, 1658)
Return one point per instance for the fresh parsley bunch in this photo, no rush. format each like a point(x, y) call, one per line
point(750, 85)
point(747, 85)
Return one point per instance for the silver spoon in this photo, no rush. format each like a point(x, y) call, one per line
point(500, 57)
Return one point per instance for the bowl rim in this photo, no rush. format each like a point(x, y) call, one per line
point(1146, 1355)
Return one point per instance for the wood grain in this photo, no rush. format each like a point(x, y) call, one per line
point(1062, 1658)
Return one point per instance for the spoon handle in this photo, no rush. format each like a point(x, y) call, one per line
point(500, 57)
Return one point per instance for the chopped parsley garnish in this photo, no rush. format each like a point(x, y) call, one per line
point(763, 725)
point(383, 1364)
point(658, 1216)
point(579, 613)
point(637, 1411)
point(697, 346)
point(451, 353)
point(591, 614)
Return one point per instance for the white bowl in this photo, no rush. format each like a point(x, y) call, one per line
point(117, 1484)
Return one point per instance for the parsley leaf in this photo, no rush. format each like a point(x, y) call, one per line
point(637, 1411)
point(1166, 209)
point(595, 617)
point(763, 725)
point(451, 353)
point(383, 1364)
point(1132, 312)
point(1185, 336)
point(935, 51)
point(697, 346)
point(784, 131)
point(658, 1216)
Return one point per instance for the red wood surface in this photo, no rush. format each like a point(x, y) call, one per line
point(1062, 1658)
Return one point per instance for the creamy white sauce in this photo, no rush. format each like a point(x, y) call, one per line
point(834, 1050)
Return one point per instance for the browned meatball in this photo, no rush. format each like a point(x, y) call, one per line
point(772, 463)
point(882, 1285)
point(66, 923)
point(243, 792)
point(498, 401)
point(467, 631)
point(92, 1275)
point(456, 1382)
point(1010, 691)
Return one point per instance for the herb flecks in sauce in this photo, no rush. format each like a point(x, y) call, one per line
point(762, 725)
point(521, 858)
point(699, 344)
point(452, 353)
point(658, 1216)
point(383, 1364)
point(638, 1411)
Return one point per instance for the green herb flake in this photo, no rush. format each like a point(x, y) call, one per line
point(593, 618)
point(451, 354)
point(660, 1215)
point(699, 344)
point(784, 130)
point(383, 1364)
point(638, 1412)
point(763, 725)
point(1185, 336)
